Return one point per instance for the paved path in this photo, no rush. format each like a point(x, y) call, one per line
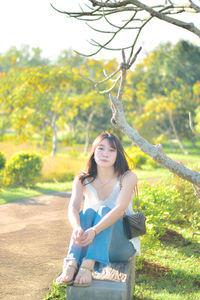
point(34, 236)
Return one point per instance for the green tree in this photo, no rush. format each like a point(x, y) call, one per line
point(88, 113)
point(20, 58)
point(37, 99)
point(154, 82)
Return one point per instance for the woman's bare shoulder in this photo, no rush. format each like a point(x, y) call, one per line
point(77, 182)
point(80, 183)
point(130, 178)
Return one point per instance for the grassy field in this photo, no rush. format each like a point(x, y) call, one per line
point(170, 271)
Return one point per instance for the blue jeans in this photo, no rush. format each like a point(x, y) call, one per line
point(110, 245)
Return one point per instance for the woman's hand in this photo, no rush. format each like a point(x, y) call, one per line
point(87, 237)
point(77, 234)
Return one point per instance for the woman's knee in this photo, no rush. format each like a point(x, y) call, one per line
point(103, 210)
point(87, 213)
point(87, 218)
point(122, 252)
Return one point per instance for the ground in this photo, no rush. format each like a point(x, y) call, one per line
point(34, 237)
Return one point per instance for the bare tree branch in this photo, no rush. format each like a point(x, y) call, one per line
point(101, 81)
point(99, 10)
point(194, 6)
point(139, 14)
point(112, 87)
point(154, 13)
point(156, 152)
point(99, 30)
point(116, 26)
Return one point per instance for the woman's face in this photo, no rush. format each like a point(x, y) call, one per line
point(104, 154)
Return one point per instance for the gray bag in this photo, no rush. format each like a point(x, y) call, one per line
point(134, 225)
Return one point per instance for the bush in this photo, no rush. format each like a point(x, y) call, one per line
point(24, 169)
point(69, 139)
point(167, 204)
point(139, 159)
point(189, 207)
point(170, 202)
point(152, 163)
point(2, 161)
point(136, 157)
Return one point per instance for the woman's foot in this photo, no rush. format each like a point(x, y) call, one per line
point(68, 274)
point(84, 276)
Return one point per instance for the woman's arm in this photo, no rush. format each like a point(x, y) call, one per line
point(128, 184)
point(74, 208)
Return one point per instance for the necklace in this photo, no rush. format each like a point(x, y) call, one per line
point(104, 183)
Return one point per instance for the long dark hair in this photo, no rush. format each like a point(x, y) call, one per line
point(120, 165)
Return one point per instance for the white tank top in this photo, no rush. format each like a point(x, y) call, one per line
point(92, 201)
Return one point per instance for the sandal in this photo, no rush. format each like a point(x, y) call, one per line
point(81, 271)
point(62, 277)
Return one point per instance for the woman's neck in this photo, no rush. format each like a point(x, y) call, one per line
point(105, 174)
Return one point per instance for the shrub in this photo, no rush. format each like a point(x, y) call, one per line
point(170, 201)
point(139, 159)
point(2, 161)
point(167, 204)
point(2, 166)
point(24, 169)
point(189, 207)
point(152, 163)
point(69, 139)
point(136, 157)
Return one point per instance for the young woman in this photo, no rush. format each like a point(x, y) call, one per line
point(98, 238)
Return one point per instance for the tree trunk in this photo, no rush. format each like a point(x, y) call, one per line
point(44, 140)
point(170, 138)
point(87, 131)
point(195, 134)
point(171, 120)
point(55, 139)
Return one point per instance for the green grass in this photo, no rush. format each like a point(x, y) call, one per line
point(174, 272)
point(173, 147)
point(8, 194)
point(185, 158)
point(56, 292)
point(148, 173)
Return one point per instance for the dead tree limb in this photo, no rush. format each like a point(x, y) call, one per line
point(114, 16)
point(139, 14)
point(154, 151)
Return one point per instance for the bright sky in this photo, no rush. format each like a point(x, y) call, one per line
point(35, 23)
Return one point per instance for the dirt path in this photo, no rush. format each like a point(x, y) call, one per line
point(34, 236)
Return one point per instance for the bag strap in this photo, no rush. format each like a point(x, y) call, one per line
point(120, 184)
point(122, 177)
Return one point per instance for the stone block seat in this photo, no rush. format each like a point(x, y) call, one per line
point(116, 282)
